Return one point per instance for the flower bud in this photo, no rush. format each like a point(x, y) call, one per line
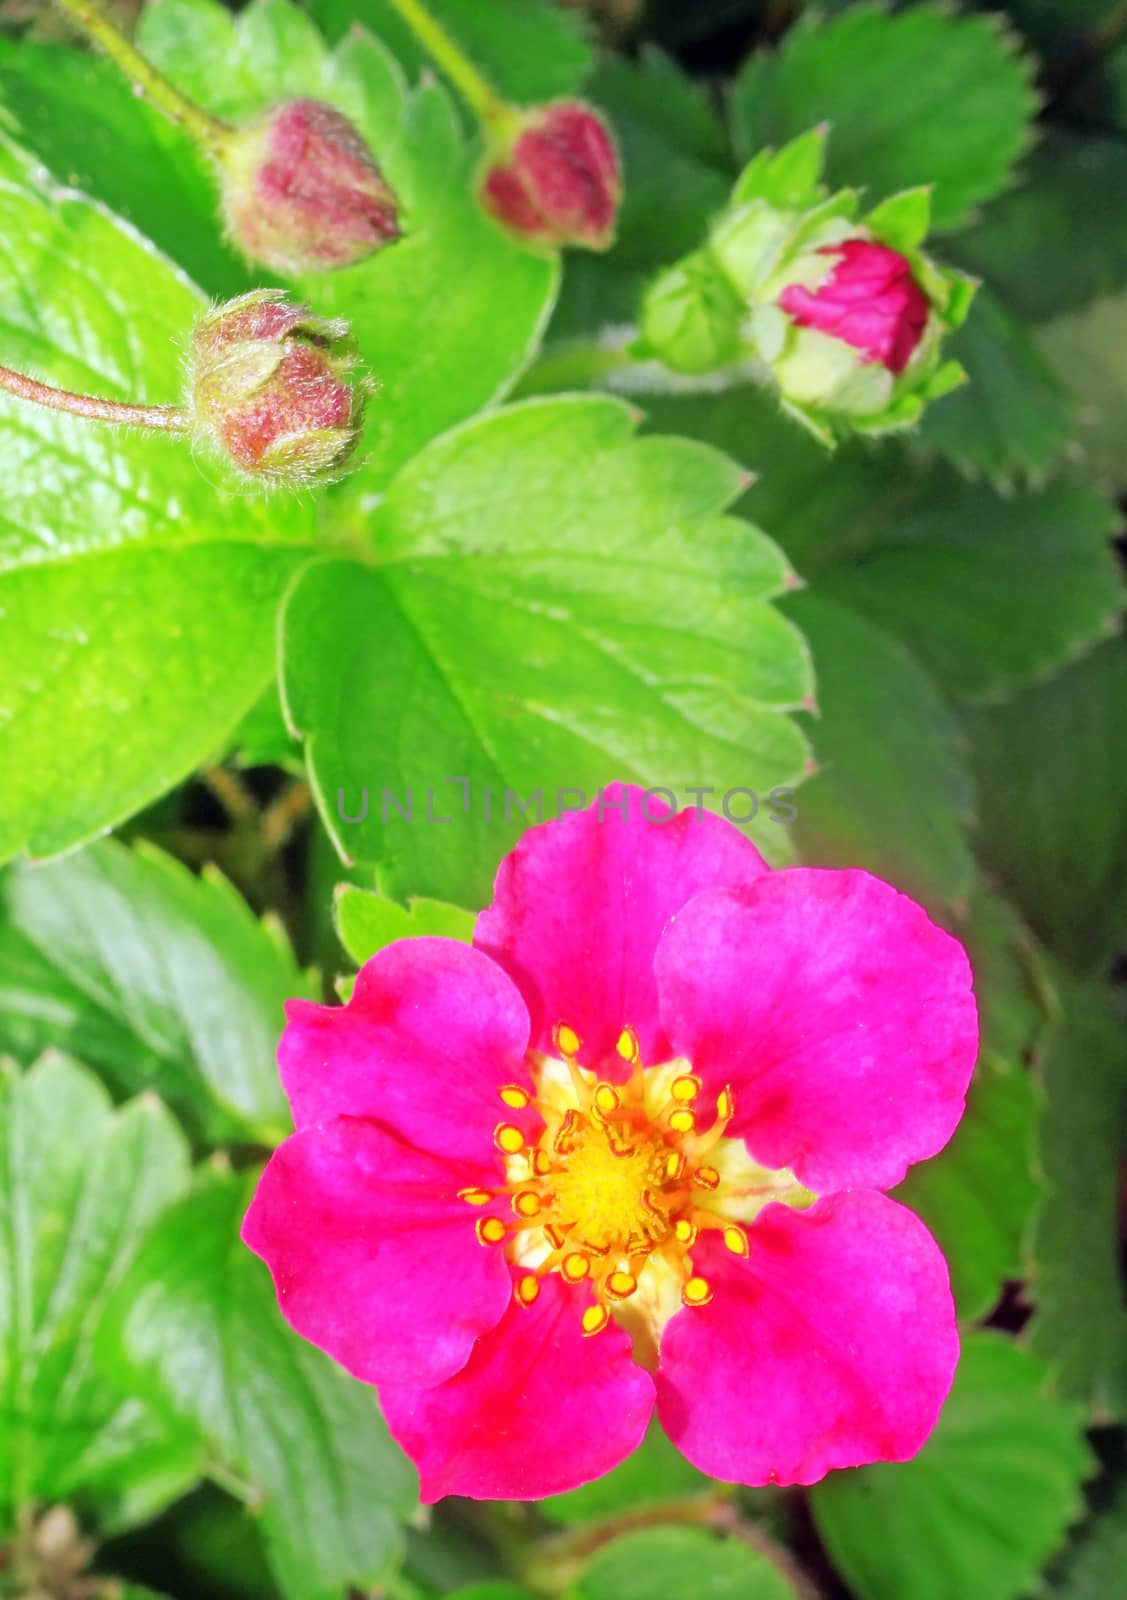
point(868, 298)
point(301, 192)
point(845, 315)
point(273, 387)
point(555, 179)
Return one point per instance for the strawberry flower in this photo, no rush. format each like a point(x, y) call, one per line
point(626, 1152)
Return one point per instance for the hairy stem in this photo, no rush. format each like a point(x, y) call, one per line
point(478, 93)
point(208, 130)
point(168, 419)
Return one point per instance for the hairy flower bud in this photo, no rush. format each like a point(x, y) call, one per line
point(868, 298)
point(274, 388)
point(555, 179)
point(845, 315)
point(301, 192)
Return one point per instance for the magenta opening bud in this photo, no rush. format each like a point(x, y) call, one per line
point(556, 180)
point(274, 388)
point(301, 192)
point(868, 298)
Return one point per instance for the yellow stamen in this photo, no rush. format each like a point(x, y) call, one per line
point(607, 1099)
point(736, 1240)
point(568, 1042)
point(490, 1230)
point(575, 1267)
point(515, 1097)
point(527, 1290)
point(526, 1203)
point(475, 1197)
point(627, 1046)
point(682, 1120)
point(697, 1292)
point(686, 1088)
point(620, 1285)
point(595, 1319)
point(508, 1138)
point(706, 1178)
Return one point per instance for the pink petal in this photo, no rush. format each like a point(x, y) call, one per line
point(538, 1409)
point(374, 1257)
point(431, 1032)
point(841, 1016)
point(580, 904)
point(834, 1344)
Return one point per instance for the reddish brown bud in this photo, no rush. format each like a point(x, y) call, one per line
point(274, 388)
point(301, 192)
point(556, 180)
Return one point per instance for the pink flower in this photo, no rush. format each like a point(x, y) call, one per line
point(541, 1184)
point(869, 299)
point(559, 182)
point(301, 192)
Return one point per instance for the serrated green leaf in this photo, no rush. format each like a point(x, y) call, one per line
point(77, 113)
point(196, 1326)
point(447, 317)
point(892, 792)
point(80, 1184)
point(657, 1562)
point(925, 555)
point(922, 97)
point(656, 1472)
point(366, 921)
point(162, 978)
point(137, 599)
point(1088, 349)
point(532, 50)
point(1013, 418)
point(1080, 1326)
point(1094, 1564)
point(557, 604)
point(988, 1498)
point(1052, 774)
point(1053, 243)
point(977, 1196)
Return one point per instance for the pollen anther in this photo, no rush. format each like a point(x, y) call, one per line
point(620, 1285)
point(627, 1045)
point(475, 1197)
point(515, 1097)
point(527, 1290)
point(686, 1088)
point(575, 1267)
point(684, 1231)
point(706, 1178)
point(682, 1120)
point(595, 1319)
point(736, 1240)
point(568, 1042)
point(607, 1099)
point(726, 1104)
point(508, 1138)
point(526, 1203)
point(490, 1230)
point(697, 1292)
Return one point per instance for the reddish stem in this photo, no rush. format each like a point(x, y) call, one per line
point(169, 419)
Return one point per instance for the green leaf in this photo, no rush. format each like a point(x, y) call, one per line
point(78, 115)
point(977, 1196)
point(923, 554)
point(162, 978)
point(919, 98)
point(447, 317)
point(656, 1472)
point(80, 1184)
point(195, 1326)
point(1052, 774)
point(1088, 349)
point(1013, 417)
point(137, 599)
point(892, 792)
point(1053, 243)
point(366, 921)
point(658, 1562)
point(557, 604)
point(1094, 1563)
point(988, 1498)
point(1080, 1325)
point(532, 50)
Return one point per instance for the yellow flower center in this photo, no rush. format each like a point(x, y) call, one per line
point(618, 1186)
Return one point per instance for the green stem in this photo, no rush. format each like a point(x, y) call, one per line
point(575, 366)
point(168, 419)
point(208, 130)
point(478, 93)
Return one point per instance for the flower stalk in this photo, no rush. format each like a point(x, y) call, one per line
point(165, 419)
point(478, 93)
point(209, 131)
